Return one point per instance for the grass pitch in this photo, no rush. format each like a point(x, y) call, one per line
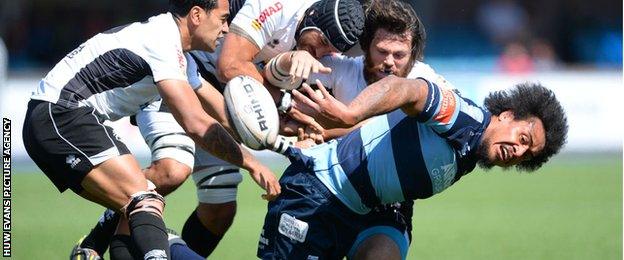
point(571, 209)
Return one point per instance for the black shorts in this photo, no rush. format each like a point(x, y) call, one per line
point(66, 143)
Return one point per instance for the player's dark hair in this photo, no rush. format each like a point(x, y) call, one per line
point(180, 8)
point(533, 99)
point(396, 17)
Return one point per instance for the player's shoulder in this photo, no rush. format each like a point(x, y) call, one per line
point(420, 70)
point(423, 70)
point(149, 36)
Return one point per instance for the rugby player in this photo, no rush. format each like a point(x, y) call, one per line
point(263, 29)
point(425, 139)
point(111, 76)
point(174, 157)
point(393, 43)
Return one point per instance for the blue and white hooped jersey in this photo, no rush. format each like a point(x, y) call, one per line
point(394, 157)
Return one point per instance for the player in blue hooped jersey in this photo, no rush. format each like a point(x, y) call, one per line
point(422, 140)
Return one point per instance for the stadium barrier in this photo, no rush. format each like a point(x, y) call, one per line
point(591, 99)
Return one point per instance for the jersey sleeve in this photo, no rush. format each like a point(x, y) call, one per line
point(165, 58)
point(192, 72)
point(257, 20)
point(451, 115)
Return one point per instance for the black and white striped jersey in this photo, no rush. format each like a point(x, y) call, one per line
point(115, 71)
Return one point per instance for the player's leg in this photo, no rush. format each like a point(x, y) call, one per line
point(388, 235)
point(127, 189)
point(96, 166)
point(172, 160)
point(179, 249)
point(216, 182)
point(380, 242)
point(172, 150)
point(306, 221)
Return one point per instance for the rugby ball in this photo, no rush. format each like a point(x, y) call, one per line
point(252, 111)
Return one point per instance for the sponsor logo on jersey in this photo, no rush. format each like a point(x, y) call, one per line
point(264, 15)
point(72, 54)
point(181, 61)
point(447, 106)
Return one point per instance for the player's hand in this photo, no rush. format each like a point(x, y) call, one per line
point(302, 63)
point(311, 133)
point(323, 107)
point(267, 181)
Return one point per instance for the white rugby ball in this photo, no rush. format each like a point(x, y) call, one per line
point(253, 112)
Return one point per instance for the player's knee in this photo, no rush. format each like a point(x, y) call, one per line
point(217, 185)
point(378, 247)
point(145, 201)
point(173, 159)
point(217, 217)
point(168, 174)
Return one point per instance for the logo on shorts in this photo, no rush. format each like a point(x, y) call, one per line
point(293, 228)
point(116, 135)
point(263, 240)
point(72, 160)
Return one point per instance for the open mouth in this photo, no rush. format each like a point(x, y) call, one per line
point(386, 72)
point(504, 154)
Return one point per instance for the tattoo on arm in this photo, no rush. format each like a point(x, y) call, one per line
point(375, 100)
point(386, 95)
point(218, 142)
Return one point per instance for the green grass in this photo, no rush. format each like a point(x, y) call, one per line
point(571, 209)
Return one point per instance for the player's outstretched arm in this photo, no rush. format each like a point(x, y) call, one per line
point(211, 136)
point(381, 97)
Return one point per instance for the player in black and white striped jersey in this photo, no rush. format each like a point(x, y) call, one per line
point(110, 76)
point(174, 157)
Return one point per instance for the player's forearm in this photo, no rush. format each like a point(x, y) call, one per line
point(236, 68)
point(237, 56)
point(334, 133)
point(383, 96)
point(217, 141)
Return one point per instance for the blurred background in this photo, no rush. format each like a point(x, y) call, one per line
point(503, 35)
point(479, 45)
point(571, 210)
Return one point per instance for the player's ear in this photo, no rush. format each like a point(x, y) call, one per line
point(195, 14)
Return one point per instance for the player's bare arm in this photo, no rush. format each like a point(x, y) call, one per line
point(213, 103)
point(237, 57)
point(380, 97)
point(210, 135)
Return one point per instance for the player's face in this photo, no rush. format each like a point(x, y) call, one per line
point(315, 43)
point(509, 142)
point(388, 54)
point(212, 26)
